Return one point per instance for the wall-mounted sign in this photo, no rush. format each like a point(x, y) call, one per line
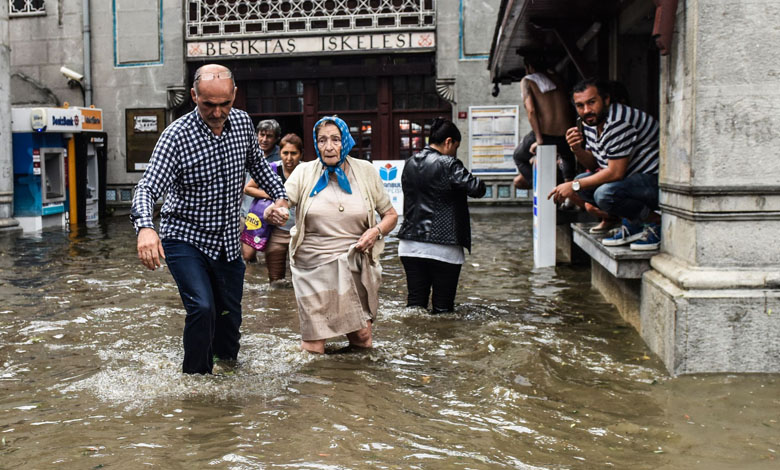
point(38, 119)
point(351, 43)
point(91, 119)
point(390, 173)
point(64, 120)
point(56, 119)
point(493, 138)
point(36, 159)
point(142, 129)
point(145, 123)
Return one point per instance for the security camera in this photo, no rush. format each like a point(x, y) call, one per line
point(71, 74)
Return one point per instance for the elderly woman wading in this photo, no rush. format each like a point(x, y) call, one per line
point(336, 242)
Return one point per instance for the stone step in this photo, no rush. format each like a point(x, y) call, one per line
point(620, 261)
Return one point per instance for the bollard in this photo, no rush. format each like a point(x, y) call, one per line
point(545, 166)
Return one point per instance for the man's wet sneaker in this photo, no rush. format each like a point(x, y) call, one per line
point(651, 239)
point(628, 233)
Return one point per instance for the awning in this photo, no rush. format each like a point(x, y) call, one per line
point(558, 29)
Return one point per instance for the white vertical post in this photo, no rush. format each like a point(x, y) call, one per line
point(544, 209)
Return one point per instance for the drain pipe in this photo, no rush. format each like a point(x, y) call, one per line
point(87, 40)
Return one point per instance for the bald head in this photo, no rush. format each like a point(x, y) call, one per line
point(212, 72)
point(213, 91)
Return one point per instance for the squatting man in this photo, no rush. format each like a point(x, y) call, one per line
point(619, 146)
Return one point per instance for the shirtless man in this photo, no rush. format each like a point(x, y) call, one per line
point(550, 115)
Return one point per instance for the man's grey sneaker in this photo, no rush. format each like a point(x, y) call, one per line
point(651, 239)
point(628, 233)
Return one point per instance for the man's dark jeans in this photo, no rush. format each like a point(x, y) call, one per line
point(211, 292)
point(632, 198)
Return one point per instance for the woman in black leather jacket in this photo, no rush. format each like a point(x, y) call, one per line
point(436, 224)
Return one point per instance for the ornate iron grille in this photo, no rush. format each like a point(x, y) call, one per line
point(216, 19)
point(26, 7)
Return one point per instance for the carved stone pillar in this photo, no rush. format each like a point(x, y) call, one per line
point(712, 301)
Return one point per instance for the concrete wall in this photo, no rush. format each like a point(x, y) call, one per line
point(121, 82)
point(737, 93)
point(720, 97)
point(466, 61)
point(709, 304)
point(40, 45)
point(128, 68)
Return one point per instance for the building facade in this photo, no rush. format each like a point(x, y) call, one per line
point(709, 301)
point(387, 67)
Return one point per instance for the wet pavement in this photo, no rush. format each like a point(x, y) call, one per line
point(533, 371)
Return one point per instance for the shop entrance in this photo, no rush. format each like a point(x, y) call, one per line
point(387, 101)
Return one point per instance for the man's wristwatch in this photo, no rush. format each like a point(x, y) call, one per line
point(381, 235)
point(575, 185)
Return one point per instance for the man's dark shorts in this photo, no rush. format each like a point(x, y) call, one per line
point(566, 164)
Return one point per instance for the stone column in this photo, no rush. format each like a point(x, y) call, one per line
point(712, 301)
point(6, 157)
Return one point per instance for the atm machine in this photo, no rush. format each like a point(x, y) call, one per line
point(90, 169)
point(59, 159)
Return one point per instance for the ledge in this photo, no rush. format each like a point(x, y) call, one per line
point(620, 261)
point(689, 278)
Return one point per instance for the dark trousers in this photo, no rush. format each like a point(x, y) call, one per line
point(422, 274)
point(211, 292)
point(567, 165)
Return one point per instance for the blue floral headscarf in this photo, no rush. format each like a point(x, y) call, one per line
point(347, 142)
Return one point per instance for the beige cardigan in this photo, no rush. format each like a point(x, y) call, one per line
point(305, 176)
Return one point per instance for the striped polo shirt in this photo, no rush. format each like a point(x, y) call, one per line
point(628, 133)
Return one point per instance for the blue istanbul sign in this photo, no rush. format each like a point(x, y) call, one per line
point(390, 172)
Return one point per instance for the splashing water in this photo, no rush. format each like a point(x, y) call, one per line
point(532, 371)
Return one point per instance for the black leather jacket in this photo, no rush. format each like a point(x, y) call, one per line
point(436, 208)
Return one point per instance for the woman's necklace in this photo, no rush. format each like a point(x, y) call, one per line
point(338, 190)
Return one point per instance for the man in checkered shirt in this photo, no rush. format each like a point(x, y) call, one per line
point(199, 162)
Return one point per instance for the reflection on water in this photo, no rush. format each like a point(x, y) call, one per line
point(533, 371)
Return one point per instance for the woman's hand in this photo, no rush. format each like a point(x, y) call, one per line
point(277, 213)
point(368, 239)
point(253, 189)
point(370, 236)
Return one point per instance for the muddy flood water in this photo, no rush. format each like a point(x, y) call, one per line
point(533, 371)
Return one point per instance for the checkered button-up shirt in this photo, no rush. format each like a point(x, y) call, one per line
point(203, 177)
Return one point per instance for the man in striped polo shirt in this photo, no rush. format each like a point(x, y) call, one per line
point(619, 145)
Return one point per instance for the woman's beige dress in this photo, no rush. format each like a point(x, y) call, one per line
point(335, 285)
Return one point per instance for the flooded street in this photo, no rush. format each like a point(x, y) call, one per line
point(533, 371)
